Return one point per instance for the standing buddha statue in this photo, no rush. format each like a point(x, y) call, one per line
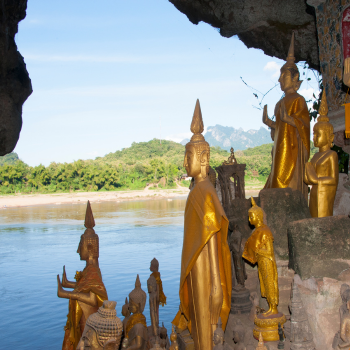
point(153, 304)
point(205, 280)
point(88, 292)
point(136, 336)
point(155, 273)
point(322, 171)
point(259, 249)
point(291, 131)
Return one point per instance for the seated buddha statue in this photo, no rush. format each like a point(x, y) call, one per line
point(322, 172)
point(291, 133)
point(259, 250)
point(88, 292)
point(136, 334)
point(205, 280)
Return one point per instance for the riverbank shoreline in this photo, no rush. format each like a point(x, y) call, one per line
point(25, 200)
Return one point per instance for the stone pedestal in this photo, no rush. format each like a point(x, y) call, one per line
point(185, 340)
point(240, 301)
point(268, 326)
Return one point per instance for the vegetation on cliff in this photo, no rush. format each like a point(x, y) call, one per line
point(130, 168)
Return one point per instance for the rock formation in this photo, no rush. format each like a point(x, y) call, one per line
point(15, 85)
point(265, 25)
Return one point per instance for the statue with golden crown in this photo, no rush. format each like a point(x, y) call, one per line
point(88, 292)
point(205, 281)
point(322, 172)
point(291, 131)
point(259, 250)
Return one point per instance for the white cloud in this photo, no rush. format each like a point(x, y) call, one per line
point(308, 95)
point(179, 137)
point(273, 67)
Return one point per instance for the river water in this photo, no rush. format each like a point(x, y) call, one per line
point(37, 241)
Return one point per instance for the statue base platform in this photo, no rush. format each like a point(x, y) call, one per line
point(268, 326)
point(185, 340)
point(240, 301)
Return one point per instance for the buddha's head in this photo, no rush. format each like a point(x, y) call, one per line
point(197, 152)
point(125, 308)
point(219, 334)
point(323, 129)
point(152, 285)
point(154, 265)
point(137, 298)
point(88, 246)
point(289, 78)
point(173, 335)
point(238, 333)
point(256, 214)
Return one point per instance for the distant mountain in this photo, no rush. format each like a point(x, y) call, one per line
point(227, 137)
point(9, 159)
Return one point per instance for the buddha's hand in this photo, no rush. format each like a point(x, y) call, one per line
point(215, 303)
point(285, 117)
point(59, 287)
point(64, 276)
point(310, 174)
point(265, 116)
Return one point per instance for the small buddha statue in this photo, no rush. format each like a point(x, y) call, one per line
point(173, 338)
point(205, 280)
point(219, 337)
point(261, 345)
point(238, 336)
point(125, 313)
point(155, 273)
point(345, 330)
point(88, 292)
point(343, 311)
point(231, 159)
point(322, 172)
point(163, 337)
point(153, 304)
point(103, 329)
point(136, 327)
point(259, 250)
point(291, 131)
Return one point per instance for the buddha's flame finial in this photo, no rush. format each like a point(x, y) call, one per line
point(89, 218)
point(219, 323)
point(323, 109)
point(126, 300)
point(138, 282)
point(290, 57)
point(197, 126)
point(253, 202)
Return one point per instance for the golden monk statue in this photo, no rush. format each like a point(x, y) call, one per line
point(205, 281)
point(259, 249)
point(88, 292)
point(291, 131)
point(136, 336)
point(322, 171)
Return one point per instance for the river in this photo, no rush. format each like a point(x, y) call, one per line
point(37, 241)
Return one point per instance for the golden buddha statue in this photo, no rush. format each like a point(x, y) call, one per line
point(136, 336)
point(88, 292)
point(205, 281)
point(259, 249)
point(322, 171)
point(291, 131)
point(173, 338)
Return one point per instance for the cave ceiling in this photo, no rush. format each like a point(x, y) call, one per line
point(260, 24)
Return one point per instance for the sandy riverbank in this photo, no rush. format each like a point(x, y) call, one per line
point(24, 200)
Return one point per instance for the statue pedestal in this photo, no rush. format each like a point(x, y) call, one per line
point(240, 301)
point(268, 326)
point(185, 340)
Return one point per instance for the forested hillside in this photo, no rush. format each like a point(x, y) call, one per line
point(130, 168)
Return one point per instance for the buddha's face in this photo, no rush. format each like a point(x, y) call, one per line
point(83, 250)
point(153, 267)
point(89, 339)
point(218, 339)
point(236, 337)
point(321, 137)
point(133, 307)
point(253, 218)
point(286, 81)
point(191, 162)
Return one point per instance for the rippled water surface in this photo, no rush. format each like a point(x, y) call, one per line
point(37, 241)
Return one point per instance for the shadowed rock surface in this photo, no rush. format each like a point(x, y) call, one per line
point(319, 247)
point(264, 24)
point(15, 84)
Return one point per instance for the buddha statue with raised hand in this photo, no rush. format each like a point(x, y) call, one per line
point(136, 336)
point(205, 280)
point(154, 268)
point(259, 250)
point(89, 291)
point(291, 131)
point(322, 171)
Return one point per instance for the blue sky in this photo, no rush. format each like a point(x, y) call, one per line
point(108, 73)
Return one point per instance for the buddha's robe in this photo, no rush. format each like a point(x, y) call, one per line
point(204, 218)
point(136, 326)
point(322, 195)
point(259, 249)
point(291, 146)
point(162, 297)
point(90, 280)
